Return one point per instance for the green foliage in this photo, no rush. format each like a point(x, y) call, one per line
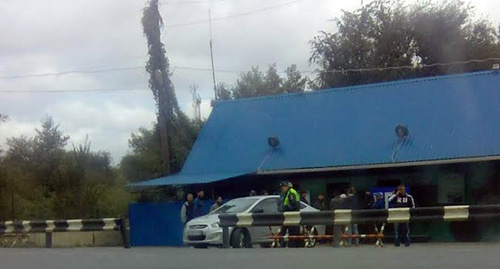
point(169, 115)
point(144, 161)
point(41, 179)
point(387, 33)
point(255, 83)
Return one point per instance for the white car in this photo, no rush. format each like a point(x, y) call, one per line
point(205, 230)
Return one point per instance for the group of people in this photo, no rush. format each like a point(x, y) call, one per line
point(290, 200)
point(399, 199)
point(193, 207)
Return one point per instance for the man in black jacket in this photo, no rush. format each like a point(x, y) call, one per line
point(321, 203)
point(401, 200)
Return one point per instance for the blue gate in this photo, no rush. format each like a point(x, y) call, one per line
point(157, 224)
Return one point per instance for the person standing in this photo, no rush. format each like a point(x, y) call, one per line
point(303, 197)
point(379, 201)
point(187, 209)
point(368, 200)
point(353, 203)
point(320, 203)
point(198, 204)
point(289, 201)
point(337, 202)
point(217, 204)
point(401, 199)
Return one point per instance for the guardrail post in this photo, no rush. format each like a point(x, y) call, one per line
point(225, 237)
point(124, 233)
point(337, 234)
point(48, 240)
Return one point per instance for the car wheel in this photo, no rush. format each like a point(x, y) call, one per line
point(241, 239)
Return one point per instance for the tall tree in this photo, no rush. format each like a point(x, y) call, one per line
point(388, 33)
point(250, 84)
point(255, 83)
point(272, 82)
point(293, 82)
point(40, 178)
point(159, 82)
point(143, 162)
point(224, 91)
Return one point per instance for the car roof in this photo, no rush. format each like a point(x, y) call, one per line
point(259, 197)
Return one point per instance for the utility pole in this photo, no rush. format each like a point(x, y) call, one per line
point(196, 101)
point(212, 54)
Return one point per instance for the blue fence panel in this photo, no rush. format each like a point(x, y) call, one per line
point(157, 224)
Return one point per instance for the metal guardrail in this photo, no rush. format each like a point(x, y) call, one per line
point(345, 216)
point(73, 225)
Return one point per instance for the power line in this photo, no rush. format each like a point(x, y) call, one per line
point(232, 16)
point(403, 66)
point(207, 69)
point(76, 91)
point(106, 70)
point(73, 72)
point(191, 2)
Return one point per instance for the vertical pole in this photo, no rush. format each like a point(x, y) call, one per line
point(225, 237)
point(124, 232)
point(48, 240)
point(337, 232)
point(212, 54)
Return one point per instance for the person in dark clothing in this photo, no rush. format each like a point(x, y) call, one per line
point(352, 202)
point(368, 202)
point(303, 197)
point(379, 201)
point(321, 203)
point(289, 201)
point(336, 203)
point(217, 204)
point(401, 200)
point(198, 204)
point(187, 209)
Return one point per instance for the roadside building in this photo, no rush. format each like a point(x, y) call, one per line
point(439, 136)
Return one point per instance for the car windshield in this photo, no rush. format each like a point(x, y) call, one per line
point(236, 206)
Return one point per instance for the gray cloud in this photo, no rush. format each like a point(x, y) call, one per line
point(58, 35)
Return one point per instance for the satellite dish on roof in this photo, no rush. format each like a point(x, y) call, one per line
point(273, 141)
point(402, 131)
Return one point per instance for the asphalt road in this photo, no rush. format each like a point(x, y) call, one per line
point(483, 255)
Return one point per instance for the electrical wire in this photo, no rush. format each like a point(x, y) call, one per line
point(87, 71)
point(77, 91)
point(403, 66)
point(231, 16)
point(242, 71)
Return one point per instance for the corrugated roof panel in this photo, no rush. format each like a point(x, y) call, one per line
point(447, 117)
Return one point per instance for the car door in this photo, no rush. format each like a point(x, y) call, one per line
point(259, 233)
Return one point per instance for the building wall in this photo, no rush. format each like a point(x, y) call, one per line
point(474, 183)
point(470, 183)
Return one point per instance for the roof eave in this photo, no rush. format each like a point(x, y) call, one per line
point(379, 166)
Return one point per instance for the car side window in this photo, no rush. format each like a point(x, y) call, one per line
point(267, 206)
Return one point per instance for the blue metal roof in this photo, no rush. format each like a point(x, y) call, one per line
point(447, 117)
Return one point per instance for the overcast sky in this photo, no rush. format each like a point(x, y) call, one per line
point(51, 36)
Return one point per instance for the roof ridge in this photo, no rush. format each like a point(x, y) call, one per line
point(362, 86)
